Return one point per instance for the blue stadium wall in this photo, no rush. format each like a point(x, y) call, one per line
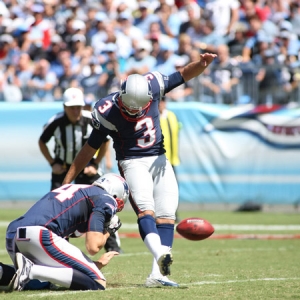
point(228, 154)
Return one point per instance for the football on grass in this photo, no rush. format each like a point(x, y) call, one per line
point(195, 229)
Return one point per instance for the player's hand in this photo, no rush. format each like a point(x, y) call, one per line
point(105, 259)
point(207, 58)
point(90, 170)
point(58, 169)
point(114, 224)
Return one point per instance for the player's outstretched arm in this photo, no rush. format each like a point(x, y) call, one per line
point(195, 68)
point(81, 160)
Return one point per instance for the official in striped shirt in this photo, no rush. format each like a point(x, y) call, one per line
point(70, 130)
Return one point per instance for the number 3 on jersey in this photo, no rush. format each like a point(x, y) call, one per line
point(67, 191)
point(149, 132)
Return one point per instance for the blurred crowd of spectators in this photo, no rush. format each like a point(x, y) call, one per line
point(48, 46)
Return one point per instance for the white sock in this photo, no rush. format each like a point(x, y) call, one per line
point(155, 268)
point(153, 243)
point(60, 276)
point(165, 248)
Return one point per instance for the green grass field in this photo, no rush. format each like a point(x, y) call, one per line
point(251, 263)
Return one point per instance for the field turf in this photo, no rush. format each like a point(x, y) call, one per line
point(250, 256)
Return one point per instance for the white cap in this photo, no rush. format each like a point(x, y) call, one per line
point(6, 38)
point(144, 44)
point(73, 97)
point(78, 25)
point(37, 8)
point(180, 62)
point(78, 37)
point(110, 47)
point(286, 25)
point(101, 16)
point(56, 39)
point(143, 4)
point(285, 34)
point(125, 15)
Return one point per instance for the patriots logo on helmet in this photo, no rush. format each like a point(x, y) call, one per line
point(126, 188)
point(96, 124)
point(123, 88)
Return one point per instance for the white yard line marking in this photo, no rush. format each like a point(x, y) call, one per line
point(135, 254)
point(239, 281)
point(281, 249)
point(255, 178)
point(246, 227)
point(53, 294)
point(256, 227)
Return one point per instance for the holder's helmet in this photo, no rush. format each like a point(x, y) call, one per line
point(135, 96)
point(116, 186)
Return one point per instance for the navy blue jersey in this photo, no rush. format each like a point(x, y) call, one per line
point(135, 138)
point(70, 208)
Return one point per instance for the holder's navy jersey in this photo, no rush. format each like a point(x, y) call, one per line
point(69, 208)
point(138, 137)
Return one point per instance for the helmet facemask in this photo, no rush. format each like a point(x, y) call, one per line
point(120, 204)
